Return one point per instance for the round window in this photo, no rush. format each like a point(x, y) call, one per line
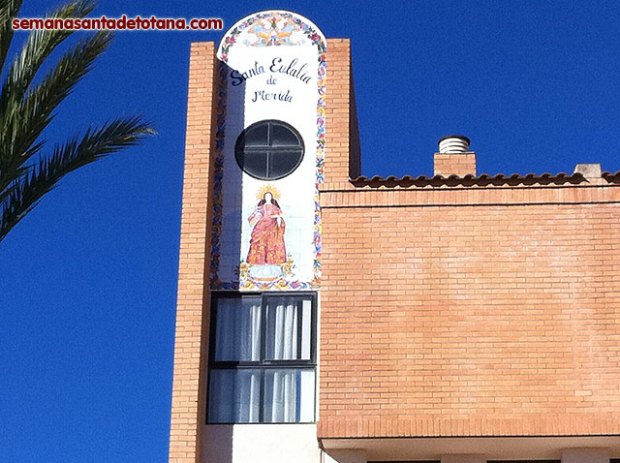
point(269, 150)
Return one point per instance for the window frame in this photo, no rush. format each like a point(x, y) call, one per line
point(240, 149)
point(262, 364)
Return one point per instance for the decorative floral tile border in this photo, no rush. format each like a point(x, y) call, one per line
point(244, 280)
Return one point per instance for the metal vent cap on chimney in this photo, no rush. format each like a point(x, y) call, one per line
point(454, 144)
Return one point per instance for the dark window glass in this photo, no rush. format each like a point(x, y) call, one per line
point(254, 162)
point(256, 135)
point(283, 136)
point(237, 329)
point(262, 358)
point(269, 150)
point(283, 162)
point(234, 396)
point(288, 325)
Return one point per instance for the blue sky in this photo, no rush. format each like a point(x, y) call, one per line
point(88, 279)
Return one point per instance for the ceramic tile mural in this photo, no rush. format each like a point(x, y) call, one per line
point(266, 233)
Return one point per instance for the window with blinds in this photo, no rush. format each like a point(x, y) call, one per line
point(262, 358)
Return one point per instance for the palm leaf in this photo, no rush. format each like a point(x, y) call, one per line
point(28, 107)
point(38, 47)
point(24, 121)
point(8, 10)
point(78, 152)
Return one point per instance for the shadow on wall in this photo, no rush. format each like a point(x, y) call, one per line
point(217, 444)
point(228, 182)
point(217, 440)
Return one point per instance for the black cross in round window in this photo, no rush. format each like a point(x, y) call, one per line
point(269, 150)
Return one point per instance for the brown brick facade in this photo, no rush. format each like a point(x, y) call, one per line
point(474, 319)
point(342, 153)
point(464, 311)
point(446, 310)
point(460, 164)
point(188, 396)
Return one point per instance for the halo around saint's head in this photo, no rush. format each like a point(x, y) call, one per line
point(262, 191)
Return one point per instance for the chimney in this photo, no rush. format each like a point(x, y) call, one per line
point(588, 170)
point(454, 157)
point(591, 172)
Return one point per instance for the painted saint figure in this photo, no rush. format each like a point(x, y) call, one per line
point(267, 240)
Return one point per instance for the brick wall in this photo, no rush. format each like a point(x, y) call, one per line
point(461, 311)
point(341, 140)
point(460, 164)
point(188, 395)
point(471, 312)
point(444, 311)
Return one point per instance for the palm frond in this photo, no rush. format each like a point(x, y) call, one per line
point(24, 121)
point(40, 44)
point(8, 10)
point(78, 152)
point(27, 107)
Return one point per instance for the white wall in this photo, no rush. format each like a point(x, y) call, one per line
point(260, 443)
